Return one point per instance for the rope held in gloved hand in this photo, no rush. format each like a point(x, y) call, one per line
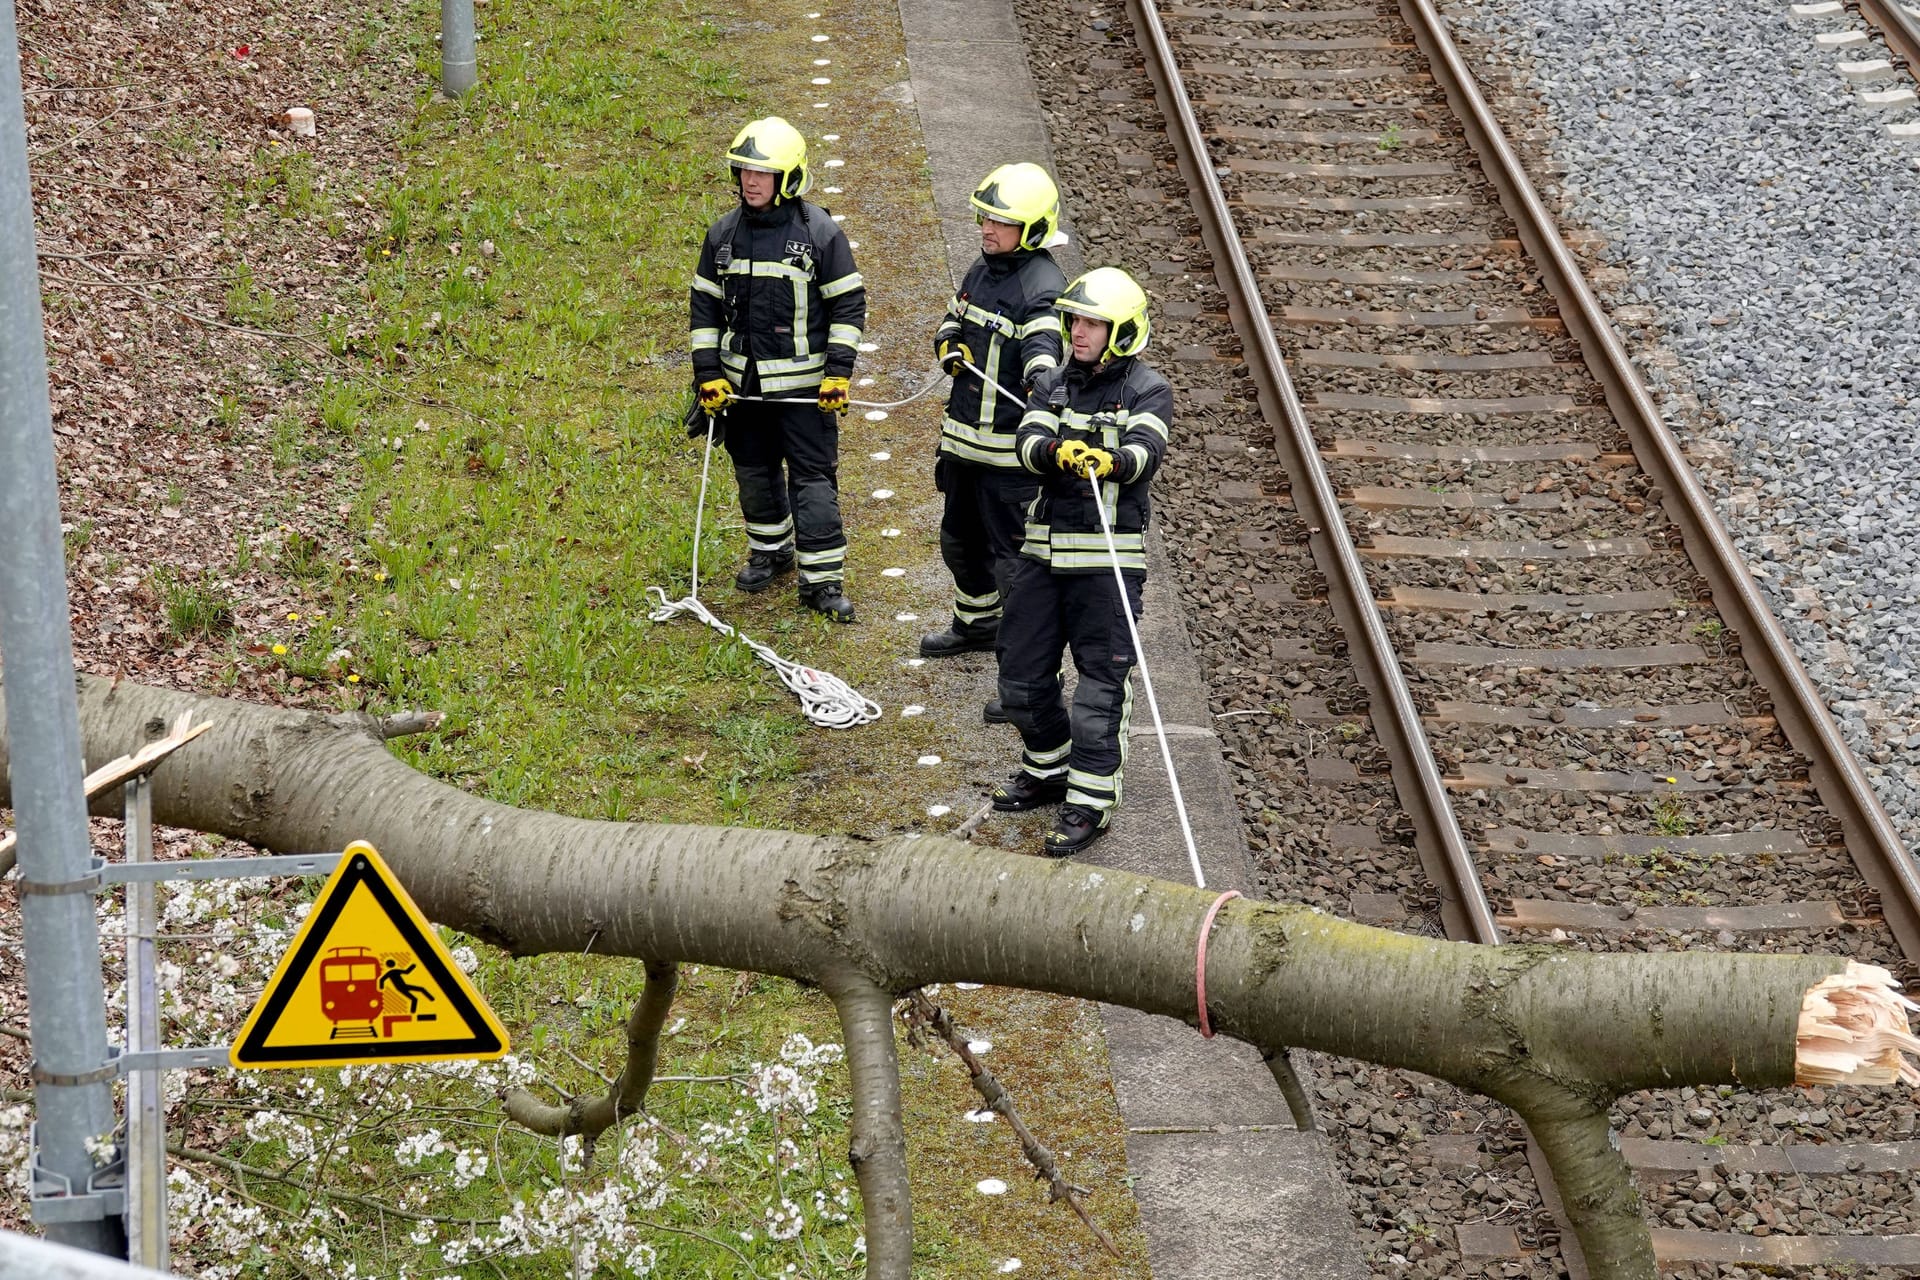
point(1140, 652)
point(825, 699)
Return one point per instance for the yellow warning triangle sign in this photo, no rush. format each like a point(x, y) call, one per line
point(366, 980)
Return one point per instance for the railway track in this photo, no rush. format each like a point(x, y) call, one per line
point(1463, 594)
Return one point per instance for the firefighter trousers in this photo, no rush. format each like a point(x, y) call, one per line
point(1047, 612)
point(786, 460)
point(980, 533)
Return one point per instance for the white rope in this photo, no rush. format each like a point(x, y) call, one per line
point(1139, 650)
point(825, 699)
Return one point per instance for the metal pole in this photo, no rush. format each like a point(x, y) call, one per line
point(72, 1098)
point(146, 1110)
point(458, 70)
point(25, 1258)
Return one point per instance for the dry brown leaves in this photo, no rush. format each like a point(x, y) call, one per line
point(145, 118)
point(144, 121)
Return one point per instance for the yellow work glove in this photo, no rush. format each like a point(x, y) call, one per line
point(1070, 454)
point(1095, 464)
point(954, 357)
point(834, 393)
point(715, 395)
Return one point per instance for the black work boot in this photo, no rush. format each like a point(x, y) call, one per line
point(961, 637)
point(762, 568)
point(1076, 828)
point(828, 599)
point(994, 713)
point(1023, 791)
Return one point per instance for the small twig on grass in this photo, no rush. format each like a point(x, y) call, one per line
point(999, 1100)
point(650, 1224)
point(18, 1033)
point(238, 1169)
point(966, 829)
point(100, 253)
point(78, 134)
point(587, 1067)
point(403, 724)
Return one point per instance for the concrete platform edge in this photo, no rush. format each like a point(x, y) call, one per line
point(1224, 1189)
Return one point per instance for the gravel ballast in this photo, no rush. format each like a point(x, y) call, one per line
point(1764, 221)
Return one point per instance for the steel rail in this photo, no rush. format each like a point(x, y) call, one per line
point(1898, 27)
point(1802, 714)
point(1465, 910)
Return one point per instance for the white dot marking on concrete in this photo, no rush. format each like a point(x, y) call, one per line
point(876, 415)
point(927, 762)
point(939, 810)
point(913, 709)
point(835, 164)
point(980, 1046)
point(824, 80)
point(894, 572)
point(990, 1187)
point(882, 456)
point(889, 533)
point(883, 494)
point(910, 617)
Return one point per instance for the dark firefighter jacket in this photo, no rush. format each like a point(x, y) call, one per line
point(1123, 407)
point(1004, 314)
point(776, 301)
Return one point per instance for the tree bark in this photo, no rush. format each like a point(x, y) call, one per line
point(627, 1095)
point(1554, 1033)
point(877, 1145)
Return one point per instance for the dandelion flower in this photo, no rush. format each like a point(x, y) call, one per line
point(280, 650)
point(353, 679)
point(293, 617)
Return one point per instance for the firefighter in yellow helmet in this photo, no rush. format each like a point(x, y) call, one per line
point(1101, 418)
point(777, 308)
point(1001, 322)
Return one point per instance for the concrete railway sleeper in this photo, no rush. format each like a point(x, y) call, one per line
point(1478, 565)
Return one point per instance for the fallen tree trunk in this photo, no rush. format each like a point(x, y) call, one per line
point(1554, 1033)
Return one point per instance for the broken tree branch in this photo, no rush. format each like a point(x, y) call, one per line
point(403, 724)
point(877, 1145)
point(998, 1100)
point(1550, 1031)
point(627, 1095)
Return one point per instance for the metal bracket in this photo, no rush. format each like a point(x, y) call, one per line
point(46, 889)
point(292, 864)
point(54, 1198)
point(120, 1062)
point(174, 1059)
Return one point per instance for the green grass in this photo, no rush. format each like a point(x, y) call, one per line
point(513, 410)
point(194, 607)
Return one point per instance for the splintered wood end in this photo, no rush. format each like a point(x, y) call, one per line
point(1854, 1030)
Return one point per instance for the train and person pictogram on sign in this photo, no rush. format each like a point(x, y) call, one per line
point(366, 980)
